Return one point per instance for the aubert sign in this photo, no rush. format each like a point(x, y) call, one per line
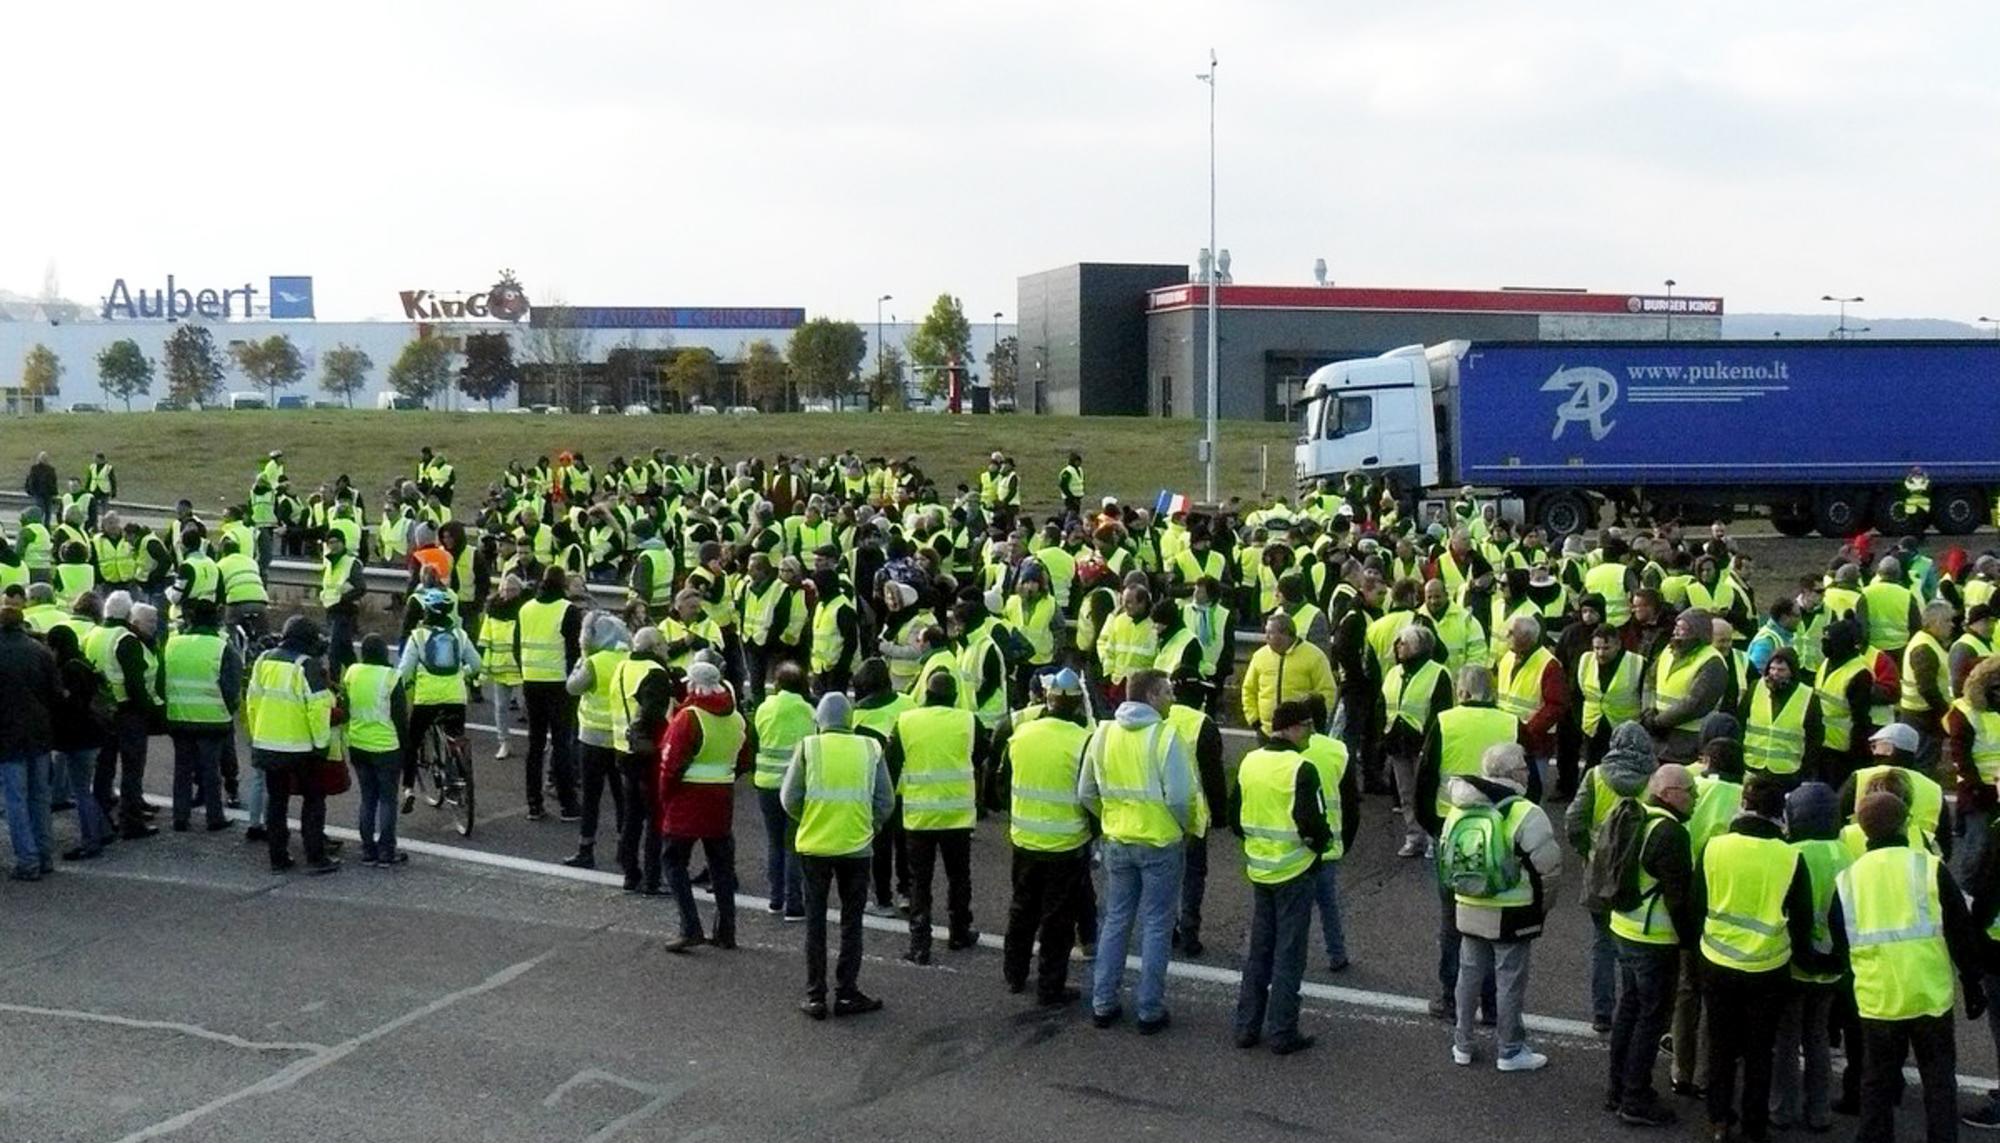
point(289, 297)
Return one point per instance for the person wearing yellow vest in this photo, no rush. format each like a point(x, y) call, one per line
point(550, 631)
point(1127, 643)
point(197, 576)
point(1686, 682)
point(1900, 927)
point(121, 648)
point(839, 791)
point(877, 704)
point(1034, 612)
point(1139, 783)
point(765, 607)
point(1926, 680)
point(1894, 612)
point(1280, 813)
point(932, 752)
point(1973, 646)
point(1755, 897)
point(593, 682)
point(642, 690)
point(1619, 777)
point(1415, 692)
point(981, 664)
point(288, 711)
point(1781, 629)
point(500, 658)
point(1784, 732)
point(1972, 753)
point(341, 589)
point(201, 681)
point(1340, 790)
point(437, 663)
point(1460, 737)
point(1608, 683)
point(1207, 616)
point(1498, 925)
point(376, 701)
point(1647, 939)
point(704, 748)
point(1049, 835)
point(834, 645)
point(1461, 638)
point(1812, 825)
point(779, 724)
point(1530, 685)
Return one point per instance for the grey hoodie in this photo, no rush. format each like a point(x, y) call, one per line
point(1176, 779)
point(601, 632)
point(1541, 861)
point(1627, 766)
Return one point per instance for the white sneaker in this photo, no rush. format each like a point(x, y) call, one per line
point(1430, 851)
point(1525, 1060)
point(1411, 847)
point(1461, 1056)
point(501, 753)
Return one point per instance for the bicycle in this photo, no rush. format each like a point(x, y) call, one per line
point(444, 772)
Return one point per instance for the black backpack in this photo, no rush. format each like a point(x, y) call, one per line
point(1611, 876)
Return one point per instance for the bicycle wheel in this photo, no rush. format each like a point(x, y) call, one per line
point(459, 765)
point(431, 767)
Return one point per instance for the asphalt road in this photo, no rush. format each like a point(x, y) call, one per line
point(176, 988)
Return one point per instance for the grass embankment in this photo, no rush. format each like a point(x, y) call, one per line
point(213, 456)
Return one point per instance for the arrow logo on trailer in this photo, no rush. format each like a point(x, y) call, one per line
point(1592, 394)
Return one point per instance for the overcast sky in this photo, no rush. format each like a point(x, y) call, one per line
point(820, 154)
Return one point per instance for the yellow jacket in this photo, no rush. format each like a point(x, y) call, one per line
point(1305, 672)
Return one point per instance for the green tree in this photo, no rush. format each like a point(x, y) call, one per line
point(942, 338)
point(343, 371)
point(423, 368)
point(271, 364)
point(124, 371)
point(1003, 368)
point(825, 355)
point(691, 375)
point(41, 373)
point(885, 383)
point(489, 372)
point(764, 375)
point(194, 367)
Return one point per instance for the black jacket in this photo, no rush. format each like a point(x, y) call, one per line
point(28, 679)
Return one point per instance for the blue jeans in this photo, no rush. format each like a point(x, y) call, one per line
point(198, 766)
point(1326, 895)
point(92, 828)
point(781, 862)
point(375, 777)
point(1141, 883)
point(1280, 928)
point(24, 782)
point(1449, 943)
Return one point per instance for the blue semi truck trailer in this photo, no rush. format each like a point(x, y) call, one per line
point(1818, 435)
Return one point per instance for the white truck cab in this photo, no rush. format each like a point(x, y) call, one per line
point(1379, 413)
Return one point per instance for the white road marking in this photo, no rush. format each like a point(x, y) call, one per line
point(291, 1074)
point(195, 1030)
point(657, 1098)
point(1367, 999)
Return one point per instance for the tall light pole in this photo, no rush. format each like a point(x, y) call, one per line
point(1840, 331)
point(993, 367)
point(1211, 442)
point(878, 338)
point(1995, 323)
point(1670, 309)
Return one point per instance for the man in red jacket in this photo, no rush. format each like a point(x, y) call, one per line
point(703, 749)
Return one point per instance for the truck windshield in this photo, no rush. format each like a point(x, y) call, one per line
point(1346, 415)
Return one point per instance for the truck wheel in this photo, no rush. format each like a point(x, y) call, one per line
point(1840, 513)
point(1958, 511)
point(1564, 513)
point(1794, 523)
point(1890, 518)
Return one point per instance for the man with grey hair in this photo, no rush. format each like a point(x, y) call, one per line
point(121, 649)
point(837, 787)
point(1458, 740)
point(1685, 684)
point(1497, 922)
point(1894, 610)
point(1926, 681)
point(1415, 691)
point(1532, 686)
point(606, 646)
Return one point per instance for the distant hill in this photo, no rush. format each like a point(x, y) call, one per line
point(1749, 326)
point(21, 307)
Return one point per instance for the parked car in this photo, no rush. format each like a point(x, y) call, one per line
point(291, 402)
point(169, 405)
point(638, 410)
point(742, 410)
point(705, 410)
point(396, 402)
point(319, 405)
point(604, 410)
point(85, 407)
point(247, 401)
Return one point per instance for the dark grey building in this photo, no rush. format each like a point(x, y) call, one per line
point(1083, 337)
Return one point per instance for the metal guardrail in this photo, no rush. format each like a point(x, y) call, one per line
point(388, 581)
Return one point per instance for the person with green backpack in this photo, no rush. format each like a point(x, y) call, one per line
point(1497, 855)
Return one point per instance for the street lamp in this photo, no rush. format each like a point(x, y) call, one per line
point(1995, 323)
point(1670, 309)
point(1841, 331)
point(993, 368)
point(1210, 441)
point(878, 338)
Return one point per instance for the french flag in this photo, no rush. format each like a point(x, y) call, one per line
point(1170, 504)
